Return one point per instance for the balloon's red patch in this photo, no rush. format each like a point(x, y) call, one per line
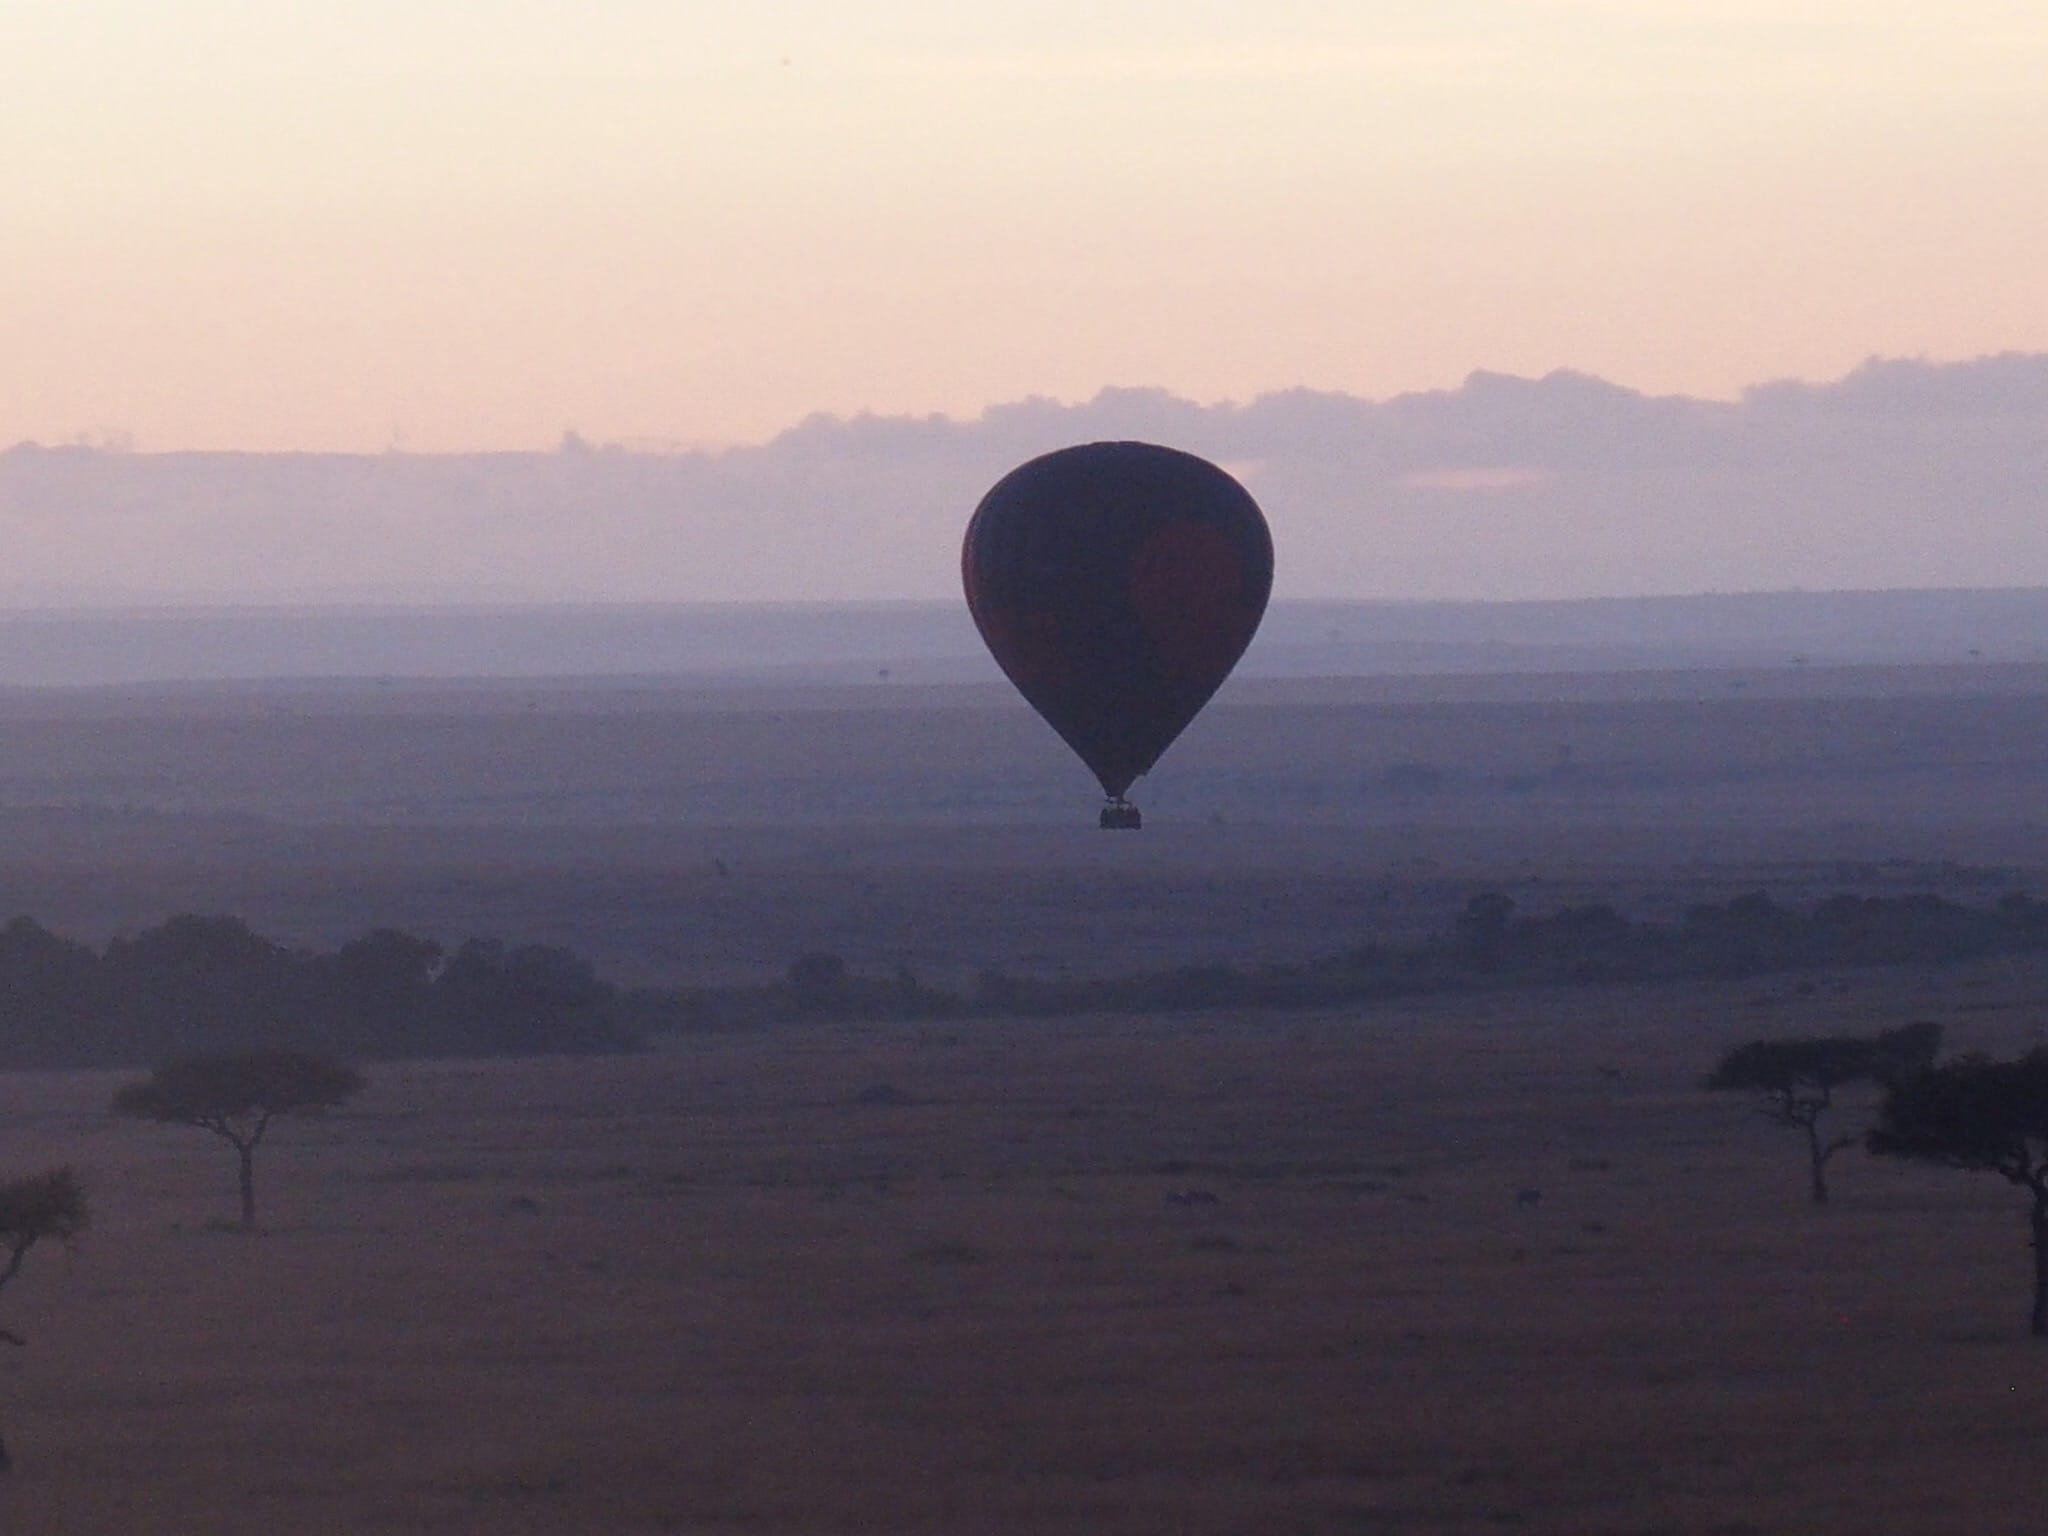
point(1187, 589)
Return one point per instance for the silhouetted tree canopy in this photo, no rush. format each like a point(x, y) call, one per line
point(200, 985)
point(237, 1098)
point(1980, 1116)
point(210, 986)
point(1909, 1050)
point(1491, 945)
point(1796, 1080)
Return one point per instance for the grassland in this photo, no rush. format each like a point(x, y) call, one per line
point(899, 1278)
point(923, 1278)
point(679, 836)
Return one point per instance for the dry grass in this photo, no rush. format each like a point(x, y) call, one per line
point(729, 1289)
point(929, 1279)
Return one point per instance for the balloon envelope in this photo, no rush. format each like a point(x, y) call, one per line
point(1116, 585)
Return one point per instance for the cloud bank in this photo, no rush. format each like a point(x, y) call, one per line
point(1902, 474)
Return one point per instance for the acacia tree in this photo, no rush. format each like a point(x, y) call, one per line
point(237, 1097)
point(1798, 1080)
point(1983, 1117)
point(48, 1205)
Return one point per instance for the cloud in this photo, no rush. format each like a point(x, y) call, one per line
point(2010, 384)
point(1905, 473)
point(1497, 477)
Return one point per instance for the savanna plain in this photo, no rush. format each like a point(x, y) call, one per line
point(1479, 1261)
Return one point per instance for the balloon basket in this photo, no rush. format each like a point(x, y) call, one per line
point(1120, 816)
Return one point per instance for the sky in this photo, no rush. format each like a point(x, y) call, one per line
point(451, 226)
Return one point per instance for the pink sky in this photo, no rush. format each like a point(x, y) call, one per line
point(244, 225)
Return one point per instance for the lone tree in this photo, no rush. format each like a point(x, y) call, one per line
point(48, 1205)
point(1983, 1117)
point(236, 1097)
point(1798, 1080)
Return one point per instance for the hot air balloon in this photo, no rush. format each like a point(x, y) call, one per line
point(1117, 584)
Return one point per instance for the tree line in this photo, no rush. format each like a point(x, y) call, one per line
point(209, 985)
point(1491, 945)
point(199, 985)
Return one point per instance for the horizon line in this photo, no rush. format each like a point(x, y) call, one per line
point(228, 604)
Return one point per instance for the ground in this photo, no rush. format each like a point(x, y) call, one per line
point(913, 1277)
point(909, 1278)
